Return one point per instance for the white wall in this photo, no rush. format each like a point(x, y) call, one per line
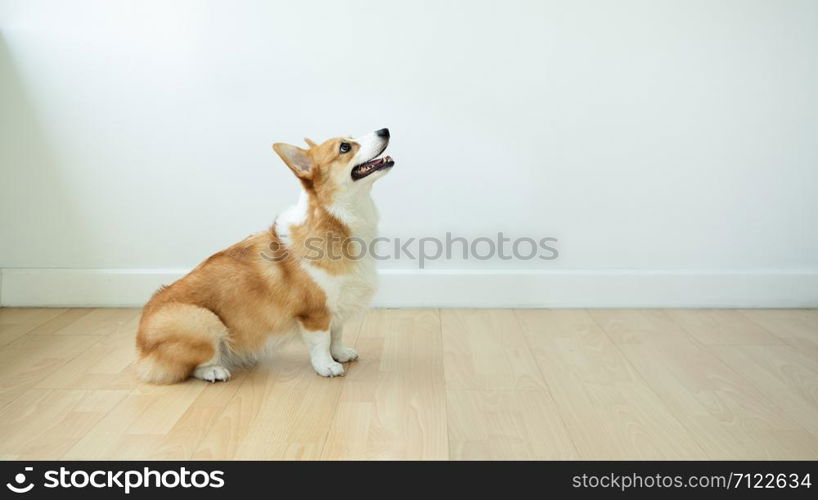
point(671, 146)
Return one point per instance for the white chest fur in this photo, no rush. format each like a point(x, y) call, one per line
point(351, 291)
point(346, 293)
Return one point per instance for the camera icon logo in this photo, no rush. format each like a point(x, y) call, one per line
point(19, 479)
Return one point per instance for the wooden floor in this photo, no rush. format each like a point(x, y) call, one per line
point(459, 384)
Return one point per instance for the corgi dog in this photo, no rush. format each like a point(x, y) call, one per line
point(306, 275)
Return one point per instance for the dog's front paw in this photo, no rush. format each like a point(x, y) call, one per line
point(329, 368)
point(344, 354)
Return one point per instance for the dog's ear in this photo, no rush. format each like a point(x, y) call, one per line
point(310, 142)
point(296, 158)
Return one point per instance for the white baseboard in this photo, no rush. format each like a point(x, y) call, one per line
point(455, 288)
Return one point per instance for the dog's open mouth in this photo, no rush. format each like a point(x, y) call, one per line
point(372, 166)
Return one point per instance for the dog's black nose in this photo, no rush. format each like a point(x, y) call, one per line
point(384, 132)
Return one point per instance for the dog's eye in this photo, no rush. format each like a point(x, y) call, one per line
point(345, 147)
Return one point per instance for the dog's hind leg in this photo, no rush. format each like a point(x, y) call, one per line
point(179, 340)
point(212, 371)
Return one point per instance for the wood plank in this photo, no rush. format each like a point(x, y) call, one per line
point(296, 409)
point(182, 440)
point(232, 426)
point(784, 375)
point(393, 405)
point(46, 429)
point(797, 327)
point(29, 413)
point(727, 417)
point(137, 426)
point(506, 425)
point(718, 326)
point(97, 322)
point(57, 323)
point(107, 364)
point(260, 420)
point(16, 322)
point(607, 408)
point(28, 360)
point(485, 350)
